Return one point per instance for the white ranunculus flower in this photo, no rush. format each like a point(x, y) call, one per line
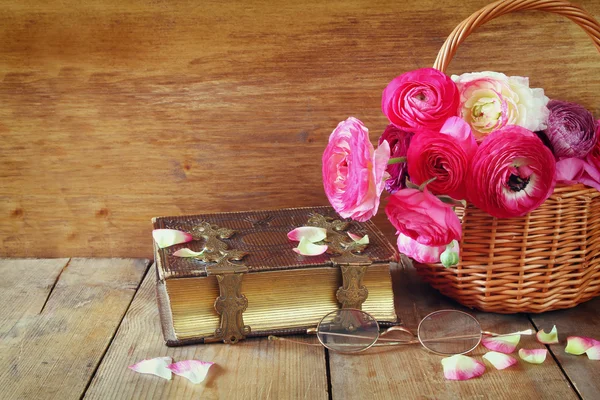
point(491, 100)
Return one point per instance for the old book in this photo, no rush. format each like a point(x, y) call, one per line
point(286, 293)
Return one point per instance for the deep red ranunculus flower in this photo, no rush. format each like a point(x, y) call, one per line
point(443, 155)
point(511, 174)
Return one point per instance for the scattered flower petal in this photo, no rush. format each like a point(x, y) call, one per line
point(499, 360)
point(194, 370)
point(306, 248)
point(358, 239)
point(547, 338)
point(535, 356)
point(460, 367)
point(158, 366)
point(185, 252)
point(312, 233)
point(578, 345)
point(593, 352)
point(504, 344)
point(169, 237)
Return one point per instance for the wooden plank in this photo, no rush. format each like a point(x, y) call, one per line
point(251, 369)
point(54, 354)
point(117, 111)
point(583, 320)
point(410, 372)
point(24, 289)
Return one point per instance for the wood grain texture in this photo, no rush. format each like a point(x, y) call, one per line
point(24, 289)
point(53, 355)
point(252, 369)
point(583, 320)
point(113, 112)
point(410, 372)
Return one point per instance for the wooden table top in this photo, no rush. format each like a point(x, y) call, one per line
point(70, 327)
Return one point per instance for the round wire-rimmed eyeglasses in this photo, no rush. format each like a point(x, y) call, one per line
point(443, 332)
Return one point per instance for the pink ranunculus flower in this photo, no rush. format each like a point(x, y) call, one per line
point(422, 253)
point(444, 155)
point(491, 100)
point(420, 99)
point(399, 140)
point(511, 174)
point(575, 170)
point(353, 172)
point(593, 156)
point(423, 217)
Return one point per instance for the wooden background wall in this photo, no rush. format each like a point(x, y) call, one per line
point(112, 112)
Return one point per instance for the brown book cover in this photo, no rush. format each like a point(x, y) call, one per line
point(286, 292)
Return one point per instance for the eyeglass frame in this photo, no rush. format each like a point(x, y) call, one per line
point(398, 328)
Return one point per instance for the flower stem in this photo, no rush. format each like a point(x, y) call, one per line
point(396, 160)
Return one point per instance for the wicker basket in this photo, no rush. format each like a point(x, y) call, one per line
point(546, 260)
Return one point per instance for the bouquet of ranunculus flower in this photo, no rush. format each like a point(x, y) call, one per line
point(483, 138)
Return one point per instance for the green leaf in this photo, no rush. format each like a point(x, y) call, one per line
point(454, 202)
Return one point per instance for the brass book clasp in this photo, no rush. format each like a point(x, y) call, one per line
point(231, 303)
point(353, 265)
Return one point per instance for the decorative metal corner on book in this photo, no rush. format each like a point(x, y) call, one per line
point(346, 253)
point(231, 303)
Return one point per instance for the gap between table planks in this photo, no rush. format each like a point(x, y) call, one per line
point(410, 372)
point(583, 320)
point(252, 369)
point(57, 319)
point(51, 346)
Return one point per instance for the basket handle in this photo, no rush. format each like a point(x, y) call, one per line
point(501, 7)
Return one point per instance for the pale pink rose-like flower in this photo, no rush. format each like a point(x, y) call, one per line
point(353, 171)
point(511, 174)
point(420, 99)
point(491, 100)
point(423, 217)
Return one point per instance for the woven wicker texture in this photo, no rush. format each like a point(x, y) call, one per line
point(546, 260)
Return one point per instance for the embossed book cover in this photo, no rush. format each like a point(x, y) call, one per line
point(248, 281)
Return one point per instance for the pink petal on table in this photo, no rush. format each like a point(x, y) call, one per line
point(499, 360)
point(535, 356)
point(156, 366)
point(306, 248)
point(460, 367)
point(503, 344)
point(593, 352)
point(169, 237)
point(194, 370)
point(312, 233)
point(578, 345)
point(547, 338)
point(358, 239)
point(185, 252)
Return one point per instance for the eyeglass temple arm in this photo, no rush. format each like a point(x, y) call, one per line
point(525, 332)
point(273, 338)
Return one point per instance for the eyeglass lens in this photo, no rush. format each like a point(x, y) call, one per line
point(442, 332)
point(348, 330)
point(449, 332)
